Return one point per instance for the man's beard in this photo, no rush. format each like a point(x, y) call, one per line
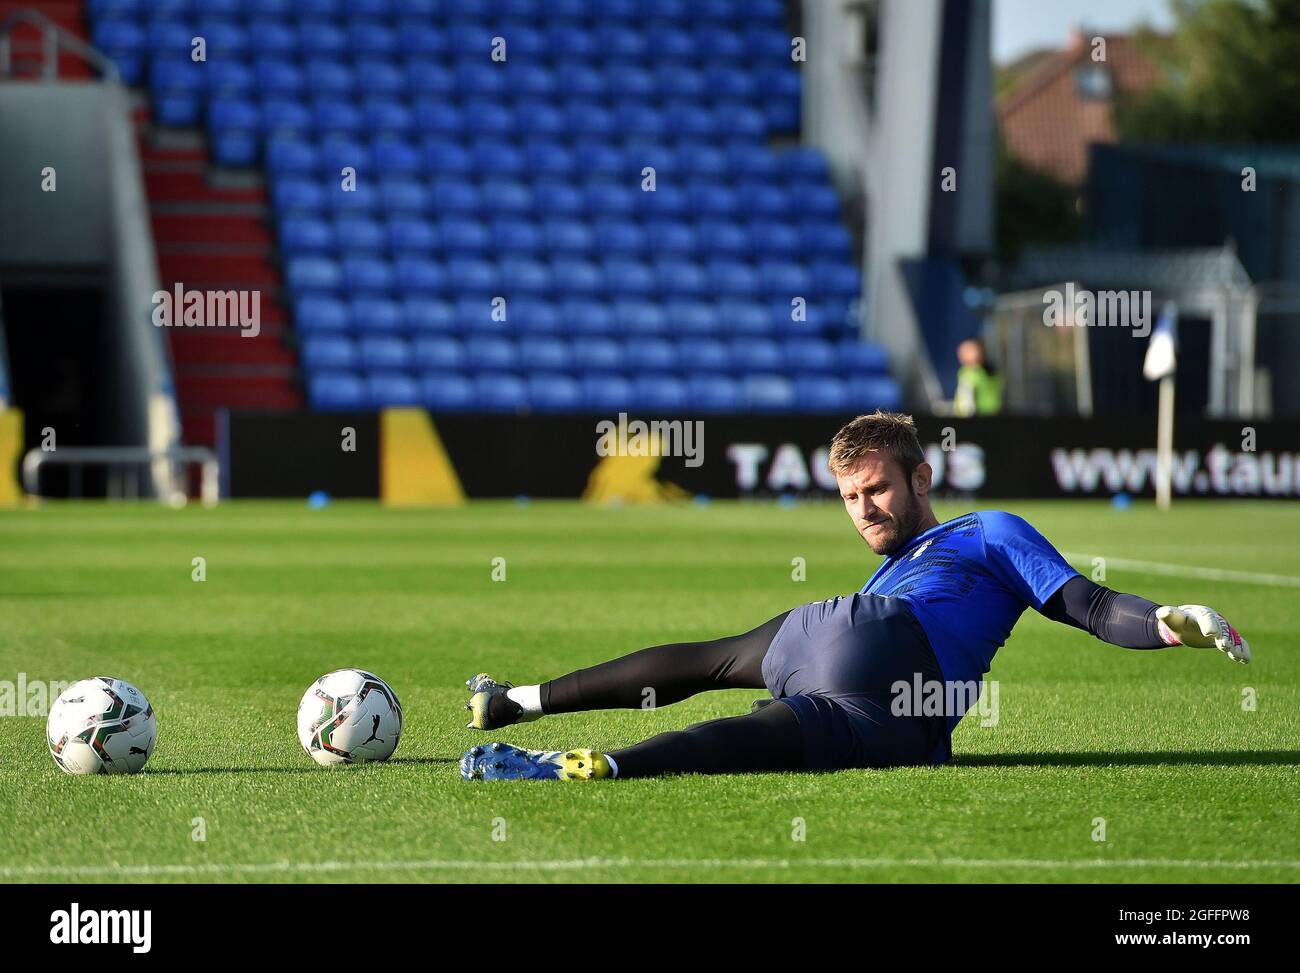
point(894, 534)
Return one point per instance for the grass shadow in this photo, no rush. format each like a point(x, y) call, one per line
point(296, 769)
point(1146, 758)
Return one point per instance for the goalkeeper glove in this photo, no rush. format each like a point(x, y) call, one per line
point(1201, 628)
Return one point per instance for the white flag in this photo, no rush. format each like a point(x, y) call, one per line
point(1162, 348)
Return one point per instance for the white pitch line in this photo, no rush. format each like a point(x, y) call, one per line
point(1189, 570)
point(584, 864)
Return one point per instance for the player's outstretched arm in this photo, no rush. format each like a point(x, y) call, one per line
point(1136, 623)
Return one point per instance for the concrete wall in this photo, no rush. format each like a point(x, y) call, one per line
point(93, 228)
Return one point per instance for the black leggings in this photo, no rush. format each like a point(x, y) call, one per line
point(767, 739)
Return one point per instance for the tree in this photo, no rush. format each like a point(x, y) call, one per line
point(1229, 74)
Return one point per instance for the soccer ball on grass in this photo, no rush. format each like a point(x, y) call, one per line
point(349, 716)
point(101, 726)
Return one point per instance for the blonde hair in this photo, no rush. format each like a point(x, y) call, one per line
point(888, 432)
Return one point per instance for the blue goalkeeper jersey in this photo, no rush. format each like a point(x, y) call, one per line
point(968, 581)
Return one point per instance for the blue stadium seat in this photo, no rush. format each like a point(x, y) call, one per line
point(421, 39)
point(680, 278)
point(427, 314)
point(367, 275)
point(337, 391)
point(447, 392)
point(821, 393)
point(591, 355)
point(724, 238)
point(660, 393)
point(376, 315)
point(328, 78)
point(636, 317)
point(522, 277)
point(396, 157)
point(531, 316)
point(319, 314)
point(384, 352)
point(537, 119)
point(784, 279)
point(671, 237)
point(287, 155)
point(499, 392)
point(809, 356)
point(577, 277)
point(512, 236)
point(328, 352)
point(393, 389)
point(438, 352)
point(472, 276)
point(308, 274)
point(587, 317)
point(774, 238)
point(306, 235)
point(704, 355)
point(278, 77)
point(474, 315)
point(715, 393)
point(490, 353)
point(418, 275)
point(628, 277)
point(744, 318)
point(554, 393)
point(651, 354)
point(544, 353)
point(873, 392)
point(606, 393)
point(412, 235)
point(756, 355)
point(862, 358)
point(732, 278)
point(359, 234)
point(619, 237)
point(563, 200)
point(694, 318)
point(835, 279)
point(766, 393)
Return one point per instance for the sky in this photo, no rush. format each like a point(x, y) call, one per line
point(1020, 26)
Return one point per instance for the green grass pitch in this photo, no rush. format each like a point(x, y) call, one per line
point(1192, 786)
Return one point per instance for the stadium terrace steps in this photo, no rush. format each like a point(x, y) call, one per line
point(197, 226)
point(212, 237)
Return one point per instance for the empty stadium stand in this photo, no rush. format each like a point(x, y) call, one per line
point(462, 203)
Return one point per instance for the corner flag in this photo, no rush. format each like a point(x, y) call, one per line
point(1162, 349)
point(1158, 366)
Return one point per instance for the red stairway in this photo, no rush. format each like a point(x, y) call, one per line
point(211, 237)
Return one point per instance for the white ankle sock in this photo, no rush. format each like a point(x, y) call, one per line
point(613, 767)
point(530, 698)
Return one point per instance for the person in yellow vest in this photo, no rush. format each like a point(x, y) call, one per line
point(979, 387)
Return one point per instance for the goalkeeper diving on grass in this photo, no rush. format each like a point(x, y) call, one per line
point(934, 613)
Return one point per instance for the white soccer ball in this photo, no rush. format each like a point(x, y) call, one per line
point(349, 716)
point(101, 726)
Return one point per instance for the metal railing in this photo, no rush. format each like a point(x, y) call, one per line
point(54, 38)
point(118, 460)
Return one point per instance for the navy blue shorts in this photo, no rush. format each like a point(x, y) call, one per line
point(836, 663)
